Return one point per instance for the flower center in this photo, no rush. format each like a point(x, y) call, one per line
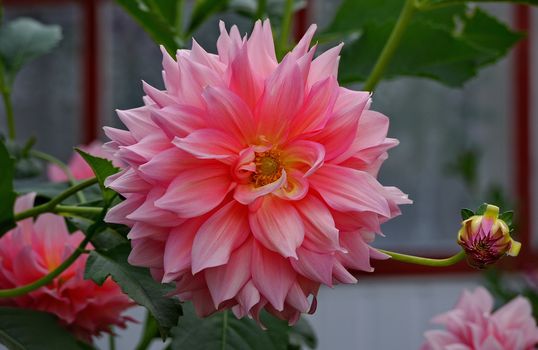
point(268, 168)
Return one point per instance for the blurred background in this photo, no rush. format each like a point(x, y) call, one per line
point(458, 148)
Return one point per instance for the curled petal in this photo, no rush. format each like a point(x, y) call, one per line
point(311, 154)
point(248, 193)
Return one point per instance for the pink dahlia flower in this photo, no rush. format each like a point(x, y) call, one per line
point(250, 182)
point(33, 249)
point(472, 325)
point(78, 166)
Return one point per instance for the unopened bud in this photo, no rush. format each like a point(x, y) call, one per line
point(486, 238)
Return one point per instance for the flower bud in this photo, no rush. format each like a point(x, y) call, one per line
point(486, 238)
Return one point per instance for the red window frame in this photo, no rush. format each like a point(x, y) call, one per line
point(522, 121)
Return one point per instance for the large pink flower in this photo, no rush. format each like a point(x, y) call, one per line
point(77, 165)
point(472, 325)
point(32, 250)
point(250, 182)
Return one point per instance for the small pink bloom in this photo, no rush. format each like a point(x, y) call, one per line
point(78, 166)
point(486, 238)
point(251, 182)
point(472, 325)
point(33, 249)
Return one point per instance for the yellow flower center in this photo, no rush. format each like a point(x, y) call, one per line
point(268, 168)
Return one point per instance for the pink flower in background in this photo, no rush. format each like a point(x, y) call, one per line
point(78, 166)
point(472, 325)
point(33, 249)
point(250, 182)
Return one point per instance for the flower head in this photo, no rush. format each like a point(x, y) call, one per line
point(472, 325)
point(486, 238)
point(32, 250)
point(250, 182)
point(77, 165)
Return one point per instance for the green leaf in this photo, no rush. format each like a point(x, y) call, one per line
point(303, 334)
point(22, 329)
point(7, 194)
point(135, 282)
point(24, 39)
point(102, 168)
point(466, 213)
point(448, 44)
point(481, 209)
point(103, 240)
point(507, 217)
point(203, 9)
point(161, 19)
point(224, 331)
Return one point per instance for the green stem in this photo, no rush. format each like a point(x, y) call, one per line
point(151, 331)
point(391, 45)
point(285, 28)
point(111, 342)
point(51, 205)
point(43, 281)
point(417, 260)
point(53, 160)
point(76, 211)
point(6, 96)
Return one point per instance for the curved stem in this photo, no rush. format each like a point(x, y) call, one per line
point(150, 332)
point(50, 205)
point(53, 160)
point(76, 211)
point(43, 281)
point(390, 46)
point(285, 27)
point(417, 260)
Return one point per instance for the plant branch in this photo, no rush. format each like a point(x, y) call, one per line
point(417, 260)
point(391, 45)
point(53, 160)
point(76, 210)
point(51, 205)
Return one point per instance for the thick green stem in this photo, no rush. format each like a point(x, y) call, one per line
point(285, 27)
point(151, 331)
point(69, 210)
point(391, 45)
point(417, 260)
point(43, 281)
point(111, 342)
point(53, 160)
point(50, 206)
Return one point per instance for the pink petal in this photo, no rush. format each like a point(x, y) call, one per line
point(247, 298)
point(321, 234)
point(165, 166)
point(248, 193)
point(297, 299)
point(314, 266)
point(302, 152)
point(347, 189)
point(146, 253)
point(196, 191)
point(261, 49)
point(225, 281)
point(138, 121)
point(272, 275)
point(302, 46)
point(118, 214)
point(317, 107)
point(295, 189)
point(223, 232)
point(127, 181)
point(244, 80)
point(325, 65)
point(177, 252)
point(341, 128)
point(228, 112)
point(23, 203)
point(149, 213)
point(358, 252)
point(178, 120)
point(282, 97)
point(208, 144)
point(49, 230)
point(278, 226)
